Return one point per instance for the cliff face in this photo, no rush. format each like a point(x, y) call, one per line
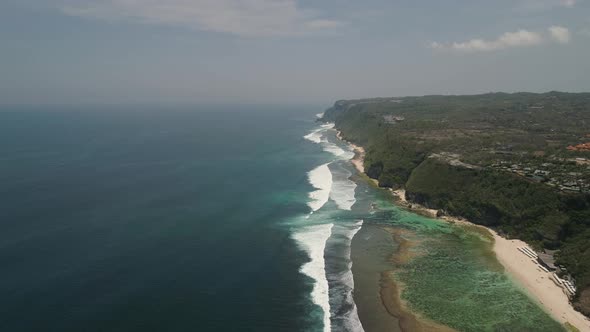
point(479, 196)
point(510, 203)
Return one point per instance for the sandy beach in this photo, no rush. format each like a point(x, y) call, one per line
point(359, 158)
point(537, 283)
point(359, 154)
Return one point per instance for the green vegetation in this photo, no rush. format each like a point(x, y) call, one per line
point(499, 160)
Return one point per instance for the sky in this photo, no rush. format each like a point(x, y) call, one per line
point(287, 51)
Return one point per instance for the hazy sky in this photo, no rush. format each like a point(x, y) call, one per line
point(274, 51)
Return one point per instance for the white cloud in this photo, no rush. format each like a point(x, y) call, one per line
point(520, 38)
point(568, 3)
point(560, 34)
point(323, 24)
point(240, 17)
point(534, 5)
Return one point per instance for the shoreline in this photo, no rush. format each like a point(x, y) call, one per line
point(537, 284)
point(359, 153)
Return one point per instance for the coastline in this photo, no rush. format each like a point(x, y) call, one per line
point(538, 284)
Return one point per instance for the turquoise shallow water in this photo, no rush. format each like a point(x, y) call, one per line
point(453, 278)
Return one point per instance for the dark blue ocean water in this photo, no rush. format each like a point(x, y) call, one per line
point(154, 219)
point(212, 219)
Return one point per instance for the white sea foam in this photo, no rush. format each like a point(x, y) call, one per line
point(315, 136)
point(321, 179)
point(344, 314)
point(343, 190)
point(353, 321)
point(332, 148)
point(319, 115)
point(318, 136)
point(350, 235)
point(313, 240)
point(336, 150)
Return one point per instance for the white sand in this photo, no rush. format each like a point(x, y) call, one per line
point(401, 194)
point(359, 158)
point(536, 282)
point(359, 154)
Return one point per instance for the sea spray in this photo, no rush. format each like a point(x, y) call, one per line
point(315, 136)
point(357, 227)
point(331, 144)
point(319, 136)
point(343, 189)
point(328, 244)
point(339, 267)
point(336, 150)
point(321, 179)
point(313, 239)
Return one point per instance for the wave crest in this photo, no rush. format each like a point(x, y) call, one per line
point(321, 179)
point(313, 240)
point(343, 189)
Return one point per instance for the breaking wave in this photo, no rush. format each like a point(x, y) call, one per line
point(321, 179)
point(336, 150)
point(353, 323)
point(313, 240)
point(328, 244)
point(344, 314)
point(343, 189)
point(315, 136)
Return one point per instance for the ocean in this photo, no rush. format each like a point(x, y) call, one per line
point(236, 218)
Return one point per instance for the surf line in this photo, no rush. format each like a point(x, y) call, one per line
point(321, 179)
point(313, 240)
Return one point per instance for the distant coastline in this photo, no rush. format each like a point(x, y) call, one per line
point(537, 283)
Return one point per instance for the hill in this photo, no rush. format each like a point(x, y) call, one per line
point(514, 162)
